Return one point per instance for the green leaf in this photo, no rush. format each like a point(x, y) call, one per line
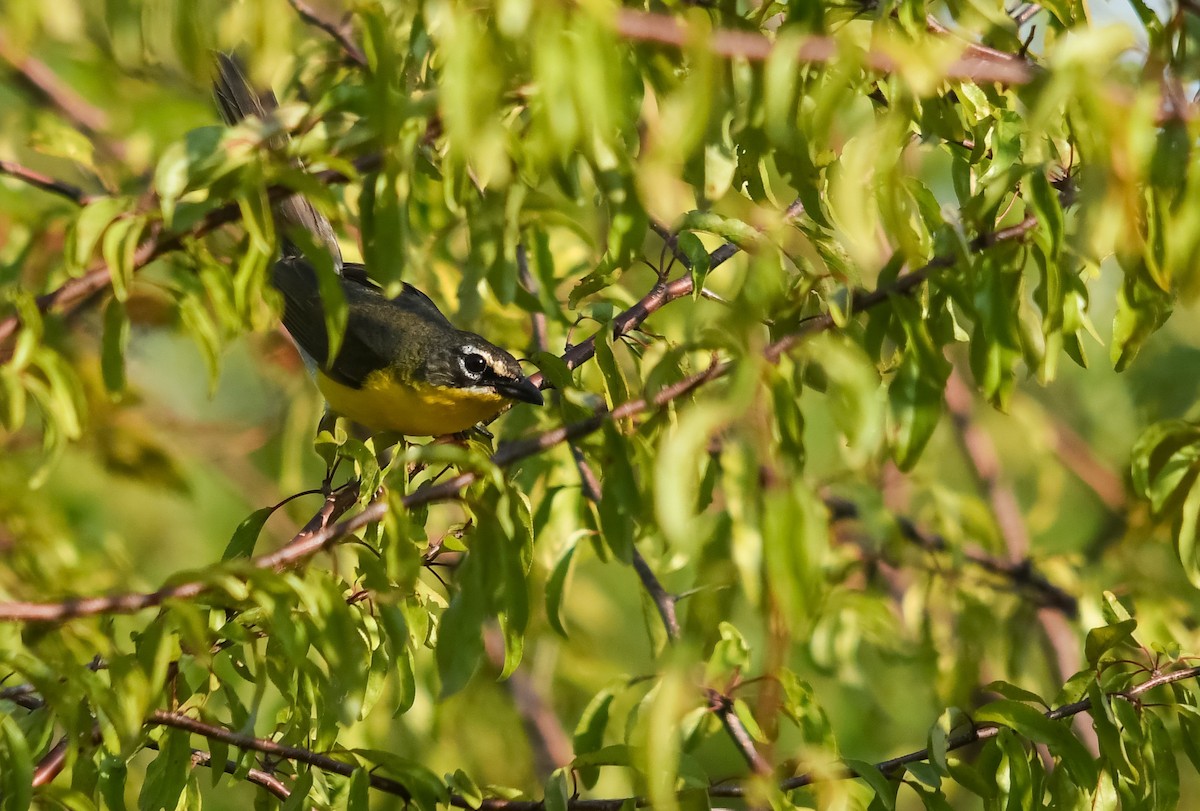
point(557, 791)
point(1032, 724)
point(358, 797)
point(1141, 309)
point(461, 784)
point(113, 344)
point(167, 774)
point(113, 774)
point(589, 734)
point(556, 587)
point(1102, 640)
point(885, 789)
point(90, 226)
point(241, 545)
point(16, 778)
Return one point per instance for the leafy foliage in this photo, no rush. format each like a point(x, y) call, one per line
point(762, 529)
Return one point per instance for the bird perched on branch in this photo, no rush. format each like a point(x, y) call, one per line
point(402, 366)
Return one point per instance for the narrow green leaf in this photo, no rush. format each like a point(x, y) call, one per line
point(112, 353)
point(16, 777)
point(241, 545)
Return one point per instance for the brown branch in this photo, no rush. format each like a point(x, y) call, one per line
point(297, 754)
point(663, 600)
point(889, 767)
point(660, 295)
point(51, 764)
point(258, 777)
point(978, 733)
point(984, 463)
point(1021, 575)
point(48, 184)
point(550, 745)
point(321, 533)
point(976, 64)
point(338, 33)
point(75, 292)
point(722, 706)
point(79, 111)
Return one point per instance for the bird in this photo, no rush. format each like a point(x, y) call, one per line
point(402, 366)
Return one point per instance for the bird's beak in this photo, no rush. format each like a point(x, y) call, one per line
point(521, 389)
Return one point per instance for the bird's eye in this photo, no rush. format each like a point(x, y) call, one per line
point(473, 364)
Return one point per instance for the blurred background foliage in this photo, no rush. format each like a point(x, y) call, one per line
point(957, 495)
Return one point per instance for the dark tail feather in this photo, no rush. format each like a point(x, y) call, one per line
point(238, 101)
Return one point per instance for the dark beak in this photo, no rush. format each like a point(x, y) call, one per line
point(520, 389)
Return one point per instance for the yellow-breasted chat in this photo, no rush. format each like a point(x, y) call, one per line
point(402, 366)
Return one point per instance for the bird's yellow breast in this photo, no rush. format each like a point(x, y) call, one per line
point(387, 404)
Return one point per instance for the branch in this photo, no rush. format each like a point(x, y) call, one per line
point(664, 601)
point(130, 603)
point(296, 754)
point(722, 706)
point(52, 763)
point(36, 179)
point(337, 32)
point(660, 295)
point(76, 291)
point(81, 112)
point(889, 767)
point(976, 64)
point(984, 464)
point(321, 534)
point(1021, 575)
point(979, 733)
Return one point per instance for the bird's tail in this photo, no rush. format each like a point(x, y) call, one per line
point(238, 101)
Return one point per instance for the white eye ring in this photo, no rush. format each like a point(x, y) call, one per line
point(473, 363)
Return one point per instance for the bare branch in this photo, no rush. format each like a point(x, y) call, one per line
point(976, 64)
point(984, 463)
point(51, 764)
point(339, 33)
point(722, 706)
point(1020, 575)
point(75, 292)
point(45, 183)
point(79, 111)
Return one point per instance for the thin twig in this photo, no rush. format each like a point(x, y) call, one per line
point(889, 767)
point(75, 292)
point(1020, 575)
point(976, 64)
point(984, 464)
point(663, 600)
point(722, 706)
point(338, 33)
point(45, 183)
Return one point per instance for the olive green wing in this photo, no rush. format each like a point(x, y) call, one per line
point(304, 319)
point(381, 333)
